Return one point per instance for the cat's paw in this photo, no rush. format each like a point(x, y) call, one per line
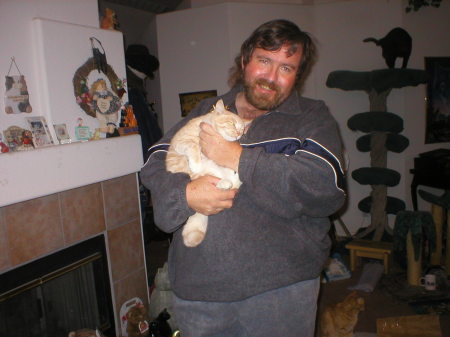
point(193, 238)
point(224, 184)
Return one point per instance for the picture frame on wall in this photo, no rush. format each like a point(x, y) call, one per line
point(39, 129)
point(437, 100)
point(188, 100)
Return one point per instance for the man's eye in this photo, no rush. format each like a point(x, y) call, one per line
point(286, 69)
point(264, 61)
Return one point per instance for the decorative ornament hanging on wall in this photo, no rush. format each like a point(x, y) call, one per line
point(98, 90)
point(16, 94)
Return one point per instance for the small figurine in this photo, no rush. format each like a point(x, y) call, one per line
point(3, 147)
point(82, 132)
point(159, 327)
point(96, 135)
point(130, 119)
point(109, 20)
point(26, 140)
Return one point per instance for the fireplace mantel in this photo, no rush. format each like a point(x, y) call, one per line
point(31, 174)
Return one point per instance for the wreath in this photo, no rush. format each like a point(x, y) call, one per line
point(82, 91)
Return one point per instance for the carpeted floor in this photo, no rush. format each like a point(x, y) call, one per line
point(391, 297)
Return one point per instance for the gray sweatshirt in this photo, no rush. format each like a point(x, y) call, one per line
point(276, 233)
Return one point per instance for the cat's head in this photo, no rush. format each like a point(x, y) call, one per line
point(230, 126)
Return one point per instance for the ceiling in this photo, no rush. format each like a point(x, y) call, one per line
point(152, 6)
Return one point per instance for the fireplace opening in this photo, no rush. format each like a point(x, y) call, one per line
point(59, 293)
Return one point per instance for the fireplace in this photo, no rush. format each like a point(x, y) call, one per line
point(59, 202)
point(62, 292)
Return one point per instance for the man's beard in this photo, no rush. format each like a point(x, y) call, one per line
point(263, 101)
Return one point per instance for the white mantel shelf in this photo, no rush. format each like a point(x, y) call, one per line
point(31, 174)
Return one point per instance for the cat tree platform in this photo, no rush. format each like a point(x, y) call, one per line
point(371, 249)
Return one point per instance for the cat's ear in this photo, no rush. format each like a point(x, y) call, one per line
point(220, 108)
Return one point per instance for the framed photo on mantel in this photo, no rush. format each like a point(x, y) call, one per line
point(40, 131)
point(438, 100)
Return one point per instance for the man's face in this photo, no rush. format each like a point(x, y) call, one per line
point(270, 76)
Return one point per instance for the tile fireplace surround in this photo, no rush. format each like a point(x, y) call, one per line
point(41, 225)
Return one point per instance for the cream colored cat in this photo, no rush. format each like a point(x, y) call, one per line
point(185, 155)
point(339, 320)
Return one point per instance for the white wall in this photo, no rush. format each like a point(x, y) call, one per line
point(341, 28)
point(193, 49)
point(17, 41)
point(197, 46)
point(139, 27)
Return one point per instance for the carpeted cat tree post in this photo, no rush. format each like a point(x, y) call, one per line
point(382, 130)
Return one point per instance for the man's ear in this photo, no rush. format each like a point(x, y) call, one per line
point(242, 62)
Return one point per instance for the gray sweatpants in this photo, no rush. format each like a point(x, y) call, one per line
point(284, 312)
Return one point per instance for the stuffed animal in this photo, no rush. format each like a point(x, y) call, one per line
point(137, 321)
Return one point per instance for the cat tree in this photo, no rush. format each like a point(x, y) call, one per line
point(383, 134)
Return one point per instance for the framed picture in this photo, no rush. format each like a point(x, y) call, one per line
point(189, 100)
point(438, 100)
point(39, 129)
point(62, 134)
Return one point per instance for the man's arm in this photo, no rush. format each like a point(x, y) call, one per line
point(303, 183)
point(174, 196)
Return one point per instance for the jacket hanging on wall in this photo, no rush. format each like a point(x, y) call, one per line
point(16, 95)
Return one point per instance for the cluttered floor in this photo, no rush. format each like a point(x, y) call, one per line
point(390, 297)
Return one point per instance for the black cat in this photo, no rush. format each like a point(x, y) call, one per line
point(159, 326)
point(397, 43)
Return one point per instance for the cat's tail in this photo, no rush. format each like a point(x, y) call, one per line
point(371, 39)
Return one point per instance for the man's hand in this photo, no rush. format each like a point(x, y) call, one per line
point(216, 148)
point(204, 197)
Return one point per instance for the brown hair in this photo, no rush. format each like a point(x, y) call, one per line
point(272, 36)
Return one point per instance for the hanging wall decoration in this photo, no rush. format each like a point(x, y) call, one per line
point(16, 94)
point(98, 90)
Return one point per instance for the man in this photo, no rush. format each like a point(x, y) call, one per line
point(257, 271)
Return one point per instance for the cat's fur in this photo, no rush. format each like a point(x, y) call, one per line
point(185, 156)
point(339, 320)
point(397, 43)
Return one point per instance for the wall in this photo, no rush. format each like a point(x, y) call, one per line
point(139, 27)
point(340, 28)
point(188, 38)
point(16, 19)
point(196, 47)
point(430, 29)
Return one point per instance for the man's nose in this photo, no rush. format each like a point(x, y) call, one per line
point(272, 74)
